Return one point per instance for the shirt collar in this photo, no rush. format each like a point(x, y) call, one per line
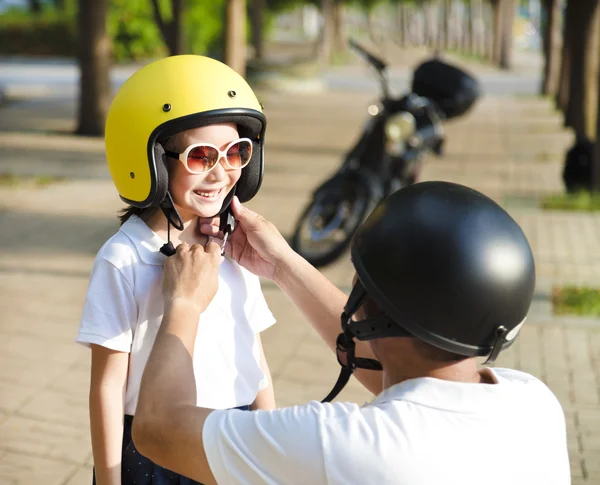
point(147, 243)
point(449, 395)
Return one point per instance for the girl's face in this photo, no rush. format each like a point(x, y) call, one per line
point(202, 194)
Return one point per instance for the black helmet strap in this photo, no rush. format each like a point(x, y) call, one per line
point(345, 345)
point(226, 225)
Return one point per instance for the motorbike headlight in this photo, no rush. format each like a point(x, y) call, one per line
point(401, 126)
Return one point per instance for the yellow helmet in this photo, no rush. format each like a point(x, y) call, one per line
point(168, 96)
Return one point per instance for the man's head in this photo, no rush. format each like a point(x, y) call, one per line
point(445, 264)
point(386, 349)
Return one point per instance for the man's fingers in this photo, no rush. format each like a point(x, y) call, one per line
point(212, 247)
point(209, 229)
point(244, 216)
point(182, 247)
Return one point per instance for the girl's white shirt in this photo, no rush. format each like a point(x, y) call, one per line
point(124, 308)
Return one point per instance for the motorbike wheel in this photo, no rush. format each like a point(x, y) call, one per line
point(327, 224)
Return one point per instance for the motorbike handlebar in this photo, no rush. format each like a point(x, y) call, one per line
point(373, 60)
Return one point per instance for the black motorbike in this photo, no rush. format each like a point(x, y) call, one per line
point(387, 156)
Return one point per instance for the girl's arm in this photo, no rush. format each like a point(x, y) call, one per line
point(107, 402)
point(265, 399)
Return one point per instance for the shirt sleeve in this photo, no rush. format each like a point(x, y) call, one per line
point(281, 447)
point(259, 314)
point(110, 310)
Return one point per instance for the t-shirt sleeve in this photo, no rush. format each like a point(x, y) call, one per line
point(259, 314)
point(283, 446)
point(110, 310)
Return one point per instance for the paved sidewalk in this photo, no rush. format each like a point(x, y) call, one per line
point(509, 147)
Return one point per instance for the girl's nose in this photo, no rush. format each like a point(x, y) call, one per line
point(219, 172)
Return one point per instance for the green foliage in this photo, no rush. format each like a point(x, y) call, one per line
point(204, 23)
point(133, 30)
point(576, 301)
point(583, 201)
point(130, 24)
point(47, 34)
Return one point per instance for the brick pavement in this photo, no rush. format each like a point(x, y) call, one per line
point(510, 148)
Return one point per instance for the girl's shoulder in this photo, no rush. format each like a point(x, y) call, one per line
point(118, 250)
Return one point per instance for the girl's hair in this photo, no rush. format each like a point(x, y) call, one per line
point(127, 212)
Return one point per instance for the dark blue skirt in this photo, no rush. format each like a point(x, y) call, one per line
point(139, 470)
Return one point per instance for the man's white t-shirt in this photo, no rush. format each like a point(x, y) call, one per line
point(422, 431)
point(124, 308)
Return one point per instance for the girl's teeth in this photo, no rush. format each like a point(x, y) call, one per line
point(210, 195)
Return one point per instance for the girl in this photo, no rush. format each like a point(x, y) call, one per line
point(183, 134)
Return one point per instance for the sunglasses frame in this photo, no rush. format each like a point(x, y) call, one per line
point(222, 154)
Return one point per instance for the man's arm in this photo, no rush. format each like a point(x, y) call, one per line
point(257, 245)
point(168, 426)
point(322, 303)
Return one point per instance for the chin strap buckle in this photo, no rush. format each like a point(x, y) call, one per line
point(499, 342)
point(227, 226)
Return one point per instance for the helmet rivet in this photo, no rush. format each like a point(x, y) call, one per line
point(166, 107)
point(132, 175)
point(231, 94)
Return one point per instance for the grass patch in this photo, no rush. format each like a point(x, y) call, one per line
point(11, 180)
point(571, 300)
point(582, 201)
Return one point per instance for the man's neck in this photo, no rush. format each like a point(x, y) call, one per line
point(465, 371)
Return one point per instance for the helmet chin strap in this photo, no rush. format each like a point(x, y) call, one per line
point(226, 225)
point(345, 345)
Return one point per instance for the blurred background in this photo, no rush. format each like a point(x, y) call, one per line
point(529, 142)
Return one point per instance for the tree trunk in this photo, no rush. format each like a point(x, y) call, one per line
point(35, 6)
point(506, 44)
point(552, 40)
point(591, 73)
point(170, 30)
point(400, 24)
point(498, 30)
point(442, 38)
point(257, 22)
point(339, 43)
point(94, 66)
point(564, 86)
point(327, 34)
point(583, 66)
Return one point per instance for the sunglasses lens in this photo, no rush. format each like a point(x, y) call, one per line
point(202, 158)
point(239, 154)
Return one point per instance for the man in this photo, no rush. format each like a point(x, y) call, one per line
point(443, 275)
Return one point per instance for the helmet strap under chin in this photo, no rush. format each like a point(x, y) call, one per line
point(226, 225)
point(173, 218)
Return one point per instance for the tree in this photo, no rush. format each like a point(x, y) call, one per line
point(498, 29)
point(326, 37)
point(235, 35)
point(257, 10)
point(583, 72)
point(35, 6)
point(94, 65)
point(551, 29)
point(506, 42)
point(564, 81)
point(170, 29)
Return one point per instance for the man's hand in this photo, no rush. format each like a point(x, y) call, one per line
point(256, 244)
point(210, 226)
point(192, 274)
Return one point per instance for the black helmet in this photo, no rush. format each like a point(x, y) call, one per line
point(445, 264)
